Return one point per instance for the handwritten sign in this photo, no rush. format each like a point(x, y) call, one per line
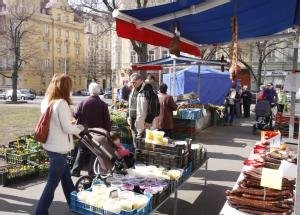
point(288, 169)
point(292, 82)
point(275, 141)
point(271, 178)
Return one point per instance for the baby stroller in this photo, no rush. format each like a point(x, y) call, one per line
point(263, 116)
point(107, 161)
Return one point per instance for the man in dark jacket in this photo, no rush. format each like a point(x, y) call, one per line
point(270, 94)
point(92, 113)
point(246, 96)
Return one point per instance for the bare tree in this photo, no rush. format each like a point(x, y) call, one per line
point(263, 49)
point(17, 36)
point(96, 6)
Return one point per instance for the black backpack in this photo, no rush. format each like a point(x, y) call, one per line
point(153, 104)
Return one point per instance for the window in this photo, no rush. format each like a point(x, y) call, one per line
point(89, 28)
point(77, 65)
point(67, 48)
point(77, 51)
point(133, 57)
point(151, 56)
point(67, 34)
point(46, 30)
point(47, 46)
point(59, 63)
point(47, 63)
point(164, 54)
point(67, 18)
point(58, 32)
point(77, 36)
point(58, 17)
point(58, 47)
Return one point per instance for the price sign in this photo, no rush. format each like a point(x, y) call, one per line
point(271, 178)
point(275, 141)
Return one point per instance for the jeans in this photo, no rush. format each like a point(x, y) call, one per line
point(229, 114)
point(135, 134)
point(82, 153)
point(58, 172)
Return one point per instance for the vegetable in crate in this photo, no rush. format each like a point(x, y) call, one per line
point(118, 118)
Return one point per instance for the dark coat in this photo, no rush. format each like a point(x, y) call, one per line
point(165, 118)
point(93, 113)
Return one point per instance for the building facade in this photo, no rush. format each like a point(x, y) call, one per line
point(123, 54)
point(98, 49)
point(57, 47)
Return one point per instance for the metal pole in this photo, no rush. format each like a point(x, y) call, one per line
point(198, 86)
point(297, 198)
point(293, 94)
point(174, 78)
point(66, 57)
point(159, 78)
point(170, 87)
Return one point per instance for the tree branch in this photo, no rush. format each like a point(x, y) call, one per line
point(5, 76)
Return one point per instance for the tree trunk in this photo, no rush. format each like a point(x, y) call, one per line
point(259, 69)
point(14, 85)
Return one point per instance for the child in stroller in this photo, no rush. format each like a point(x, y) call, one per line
point(107, 161)
point(263, 116)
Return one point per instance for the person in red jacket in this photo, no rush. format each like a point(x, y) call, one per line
point(164, 121)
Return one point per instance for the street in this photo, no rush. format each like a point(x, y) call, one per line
point(37, 102)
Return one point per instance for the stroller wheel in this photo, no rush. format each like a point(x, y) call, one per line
point(254, 129)
point(83, 183)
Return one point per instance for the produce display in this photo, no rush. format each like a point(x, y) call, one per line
point(12, 173)
point(118, 117)
point(101, 199)
point(249, 196)
point(3, 151)
point(184, 105)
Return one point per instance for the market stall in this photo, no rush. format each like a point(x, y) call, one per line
point(267, 182)
point(162, 165)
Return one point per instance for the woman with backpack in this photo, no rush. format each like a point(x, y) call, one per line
point(164, 121)
point(59, 139)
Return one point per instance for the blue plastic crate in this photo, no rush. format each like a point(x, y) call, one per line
point(187, 171)
point(78, 207)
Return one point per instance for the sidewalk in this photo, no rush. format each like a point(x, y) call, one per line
point(227, 147)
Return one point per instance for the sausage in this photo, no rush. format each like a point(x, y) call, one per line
point(269, 205)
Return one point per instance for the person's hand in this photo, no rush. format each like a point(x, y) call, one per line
point(128, 121)
point(74, 121)
point(84, 131)
point(147, 125)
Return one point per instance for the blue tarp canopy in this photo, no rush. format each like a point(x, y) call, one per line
point(213, 26)
point(214, 85)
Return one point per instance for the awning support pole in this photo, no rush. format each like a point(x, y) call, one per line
point(198, 86)
point(297, 198)
point(170, 87)
point(174, 77)
point(159, 78)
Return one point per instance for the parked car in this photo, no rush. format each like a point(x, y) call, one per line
point(22, 94)
point(82, 92)
point(101, 92)
point(2, 95)
point(107, 95)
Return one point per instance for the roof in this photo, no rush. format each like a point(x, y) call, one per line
point(212, 26)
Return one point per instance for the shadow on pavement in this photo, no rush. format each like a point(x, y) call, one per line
point(27, 183)
point(225, 156)
point(9, 203)
point(211, 199)
point(217, 175)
